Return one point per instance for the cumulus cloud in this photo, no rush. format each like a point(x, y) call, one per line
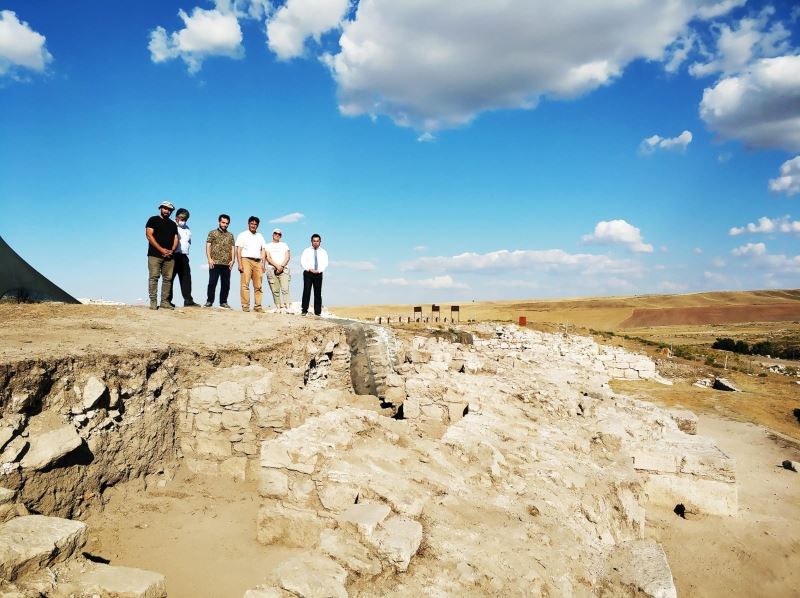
point(548, 260)
point(759, 105)
point(749, 250)
point(789, 180)
point(768, 225)
point(428, 67)
point(738, 44)
point(363, 265)
point(618, 232)
point(21, 48)
point(206, 33)
point(288, 218)
point(299, 20)
point(437, 282)
point(656, 142)
point(426, 137)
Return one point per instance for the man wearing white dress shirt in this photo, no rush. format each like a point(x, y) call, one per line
point(314, 260)
point(251, 256)
point(182, 271)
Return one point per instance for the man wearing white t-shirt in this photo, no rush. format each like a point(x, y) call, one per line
point(250, 255)
point(314, 261)
point(278, 256)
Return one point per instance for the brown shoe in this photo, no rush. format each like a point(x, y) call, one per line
point(259, 310)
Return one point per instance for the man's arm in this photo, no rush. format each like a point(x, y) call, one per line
point(239, 258)
point(230, 265)
point(208, 255)
point(148, 232)
point(286, 259)
point(175, 242)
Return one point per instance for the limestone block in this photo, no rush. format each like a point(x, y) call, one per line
point(13, 450)
point(397, 539)
point(416, 387)
point(276, 456)
point(261, 388)
point(93, 391)
point(273, 483)
point(49, 447)
point(312, 575)
point(208, 422)
point(230, 393)
point(434, 412)
point(236, 420)
point(419, 356)
point(455, 411)
point(270, 417)
point(33, 542)
point(6, 434)
point(187, 446)
point(349, 552)
point(123, 582)
point(403, 495)
point(642, 567)
point(202, 397)
point(725, 384)
point(10, 510)
point(710, 463)
point(335, 496)
point(395, 395)
point(247, 448)
point(235, 467)
point(659, 461)
point(696, 494)
point(7, 495)
point(216, 446)
point(288, 525)
point(301, 490)
point(394, 381)
point(457, 365)
point(686, 420)
point(20, 401)
point(365, 516)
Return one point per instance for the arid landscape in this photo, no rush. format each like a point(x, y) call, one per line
point(216, 453)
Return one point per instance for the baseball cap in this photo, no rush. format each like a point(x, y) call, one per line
point(166, 204)
point(277, 230)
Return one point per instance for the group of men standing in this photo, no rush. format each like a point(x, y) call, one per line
point(168, 258)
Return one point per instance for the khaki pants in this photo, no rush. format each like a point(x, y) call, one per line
point(251, 270)
point(278, 283)
point(159, 267)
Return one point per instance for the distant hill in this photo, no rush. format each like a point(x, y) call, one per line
point(611, 313)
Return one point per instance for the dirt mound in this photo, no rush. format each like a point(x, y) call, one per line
point(722, 314)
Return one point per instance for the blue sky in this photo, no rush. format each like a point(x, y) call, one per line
point(489, 151)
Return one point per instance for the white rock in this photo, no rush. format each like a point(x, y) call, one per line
point(123, 582)
point(365, 516)
point(398, 539)
point(93, 391)
point(348, 551)
point(47, 448)
point(230, 393)
point(33, 542)
point(312, 575)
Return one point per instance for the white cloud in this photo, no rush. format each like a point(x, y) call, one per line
point(363, 265)
point(789, 180)
point(758, 106)
point(718, 262)
point(618, 232)
point(716, 278)
point(437, 282)
point(768, 225)
point(20, 46)
point(428, 67)
point(749, 250)
point(298, 20)
point(288, 218)
point(421, 248)
point(206, 33)
point(738, 45)
point(697, 250)
point(679, 143)
point(426, 137)
point(548, 260)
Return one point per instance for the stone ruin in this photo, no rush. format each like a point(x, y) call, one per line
point(494, 461)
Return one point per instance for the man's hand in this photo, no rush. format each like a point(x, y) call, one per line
point(241, 268)
point(211, 264)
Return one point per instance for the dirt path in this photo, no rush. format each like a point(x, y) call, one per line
point(756, 553)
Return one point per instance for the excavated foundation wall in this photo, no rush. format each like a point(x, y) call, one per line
point(72, 427)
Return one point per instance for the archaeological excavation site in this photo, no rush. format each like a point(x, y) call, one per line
point(326, 457)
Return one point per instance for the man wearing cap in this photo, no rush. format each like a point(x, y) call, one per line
point(181, 258)
point(250, 255)
point(278, 256)
point(162, 238)
point(314, 260)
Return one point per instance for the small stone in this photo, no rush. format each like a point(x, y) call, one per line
point(365, 516)
point(398, 539)
point(49, 447)
point(312, 575)
point(20, 401)
point(726, 385)
point(13, 450)
point(93, 391)
point(791, 465)
point(124, 582)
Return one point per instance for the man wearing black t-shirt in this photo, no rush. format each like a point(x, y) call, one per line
point(162, 238)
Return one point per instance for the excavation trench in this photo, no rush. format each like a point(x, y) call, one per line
point(159, 451)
